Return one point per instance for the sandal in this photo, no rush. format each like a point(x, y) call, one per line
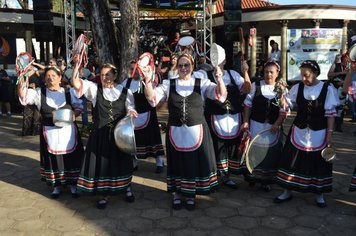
point(190, 204)
point(177, 204)
point(101, 204)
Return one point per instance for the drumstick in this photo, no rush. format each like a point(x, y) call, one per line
point(246, 87)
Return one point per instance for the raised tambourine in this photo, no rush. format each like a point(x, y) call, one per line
point(186, 41)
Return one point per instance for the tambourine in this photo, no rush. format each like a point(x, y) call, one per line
point(188, 44)
point(146, 59)
point(81, 48)
point(23, 65)
point(217, 54)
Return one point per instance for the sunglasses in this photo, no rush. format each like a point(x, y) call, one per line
point(183, 65)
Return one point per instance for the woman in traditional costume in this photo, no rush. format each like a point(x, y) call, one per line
point(61, 148)
point(106, 170)
point(302, 168)
point(264, 109)
point(191, 166)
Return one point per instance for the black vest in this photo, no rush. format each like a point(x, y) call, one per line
point(232, 104)
point(263, 109)
point(311, 113)
point(141, 103)
point(46, 111)
point(106, 112)
point(185, 110)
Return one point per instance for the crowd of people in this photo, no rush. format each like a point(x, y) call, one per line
point(210, 109)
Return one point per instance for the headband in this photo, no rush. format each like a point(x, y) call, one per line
point(313, 65)
point(270, 63)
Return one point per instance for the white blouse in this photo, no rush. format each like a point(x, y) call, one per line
point(267, 92)
point(90, 89)
point(307, 139)
point(55, 99)
point(185, 88)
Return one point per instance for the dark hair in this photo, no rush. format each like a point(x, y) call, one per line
point(311, 64)
point(53, 68)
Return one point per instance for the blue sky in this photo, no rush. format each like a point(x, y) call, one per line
point(335, 2)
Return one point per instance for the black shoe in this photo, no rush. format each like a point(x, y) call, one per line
point(159, 169)
point(278, 200)
point(135, 168)
point(229, 183)
point(55, 195)
point(190, 205)
point(266, 187)
point(101, 204)
point(321, 204)
point(130, 198)
point(177, 204)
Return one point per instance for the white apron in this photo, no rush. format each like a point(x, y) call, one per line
point(60, 140)
point(186, 139)
point(142, 120)
point(226, 126)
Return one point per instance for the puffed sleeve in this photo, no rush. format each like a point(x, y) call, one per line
point(89, 89)
point(291, 97)
point(130, 101)
point(249, 98)
point(161, 92)
point(286, 108)
point(332, 101)
point(32, 97)
point(209, 90)
point(77, 103)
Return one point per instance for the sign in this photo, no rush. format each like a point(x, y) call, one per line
point(7, 48)
point(324, 58)
point(314, 39)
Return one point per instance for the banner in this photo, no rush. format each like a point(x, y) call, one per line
point(312, 39)
point(7, 48)
point(324, 58)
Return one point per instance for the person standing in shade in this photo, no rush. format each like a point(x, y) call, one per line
point(302, 168)
point(61, 148)
point(5, 91)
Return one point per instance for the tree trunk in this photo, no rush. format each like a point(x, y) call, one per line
point(129, 34)
point(104, 31)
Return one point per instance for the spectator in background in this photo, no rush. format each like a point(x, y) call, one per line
point(336, 76)
point(275, 54)
point(5, 91)
point(31, 124)
point(202, 64)
point(173, 44)
point(61, 63)
point(173, 72)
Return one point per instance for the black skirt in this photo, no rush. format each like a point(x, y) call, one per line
point(304, 171)
point(194, 172)
point(226, 153)
point(148, 139)
point(31, 124)
point(106, 169)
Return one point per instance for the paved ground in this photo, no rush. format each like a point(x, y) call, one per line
point(26, 209)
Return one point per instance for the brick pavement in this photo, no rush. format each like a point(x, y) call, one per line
point(27, 209)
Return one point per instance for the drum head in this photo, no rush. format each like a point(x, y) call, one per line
point(186, 41)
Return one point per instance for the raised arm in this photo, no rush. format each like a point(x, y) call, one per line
point(75, 80)
point(221, 91)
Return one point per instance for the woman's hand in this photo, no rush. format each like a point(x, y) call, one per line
point(245, 126)
point(244, 67)
point(133, 113)
point(147, 73)
point(275, 128)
